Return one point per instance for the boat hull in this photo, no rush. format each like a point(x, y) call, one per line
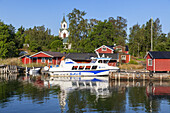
point(80, 73)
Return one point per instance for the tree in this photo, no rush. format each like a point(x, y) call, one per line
point(141, 36)
point(20, 37)
point(77, 27)
point(56, 45)
point(7, 41)
point(38, 38)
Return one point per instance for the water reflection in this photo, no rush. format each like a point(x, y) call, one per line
point(83, 94)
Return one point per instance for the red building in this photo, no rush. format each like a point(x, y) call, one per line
point(121, 51)
point(51, 58)
point(104, 49)
point(158, 61)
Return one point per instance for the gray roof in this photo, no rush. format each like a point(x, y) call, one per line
point(81, 56)
point(54, 54)
point(160, 54)
point(113, 56)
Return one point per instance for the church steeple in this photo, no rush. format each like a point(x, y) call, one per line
point(64, 20)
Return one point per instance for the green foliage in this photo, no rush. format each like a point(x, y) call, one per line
point(140, 38)
point(86, 36)
point(140, 59)
point(7, 41)
point(133, 62)
point(56, 45)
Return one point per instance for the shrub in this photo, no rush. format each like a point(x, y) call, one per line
point(133, 62)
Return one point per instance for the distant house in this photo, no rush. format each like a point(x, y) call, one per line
point(51, 58)
point(105, 49)
point(121, 51)
point(158, 61)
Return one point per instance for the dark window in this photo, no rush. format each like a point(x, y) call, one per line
point(74, 67)
point(104, 49)
point(74, 84)
point(81, 67)
point(64, 25)
point(87, 67)
point(94, 67)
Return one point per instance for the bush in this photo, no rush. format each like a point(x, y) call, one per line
point(133, 62)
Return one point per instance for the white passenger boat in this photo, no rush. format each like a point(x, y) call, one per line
point(98, 66)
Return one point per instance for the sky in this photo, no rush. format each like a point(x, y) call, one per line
point(30, 13)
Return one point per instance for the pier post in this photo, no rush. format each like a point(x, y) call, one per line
point(160, 79)
point(133, 76)
point(115, 76)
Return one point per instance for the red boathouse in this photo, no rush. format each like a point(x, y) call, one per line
point(48, 57)
point(158, 61)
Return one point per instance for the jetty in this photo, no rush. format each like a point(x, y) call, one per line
point(8, 69)
point(138, 76)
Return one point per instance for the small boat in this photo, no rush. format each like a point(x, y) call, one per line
point(98, 67)
point(34, 71)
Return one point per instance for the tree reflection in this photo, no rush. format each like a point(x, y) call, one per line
point(84, 101)
point(21, 90)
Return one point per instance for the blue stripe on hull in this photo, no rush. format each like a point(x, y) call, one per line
point(79, 72)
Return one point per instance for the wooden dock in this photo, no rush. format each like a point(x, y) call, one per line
point(138, 76)
point(8, 69)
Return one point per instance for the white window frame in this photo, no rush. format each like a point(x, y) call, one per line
point(123, 57)
point(42, 60)
point(50, 61)
point(149, 62)
point(104, 49)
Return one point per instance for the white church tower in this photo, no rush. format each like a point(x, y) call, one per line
point(63, 33)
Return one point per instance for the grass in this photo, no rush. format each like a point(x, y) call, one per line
point(140, 59)
point(131, 66)
point(18, 62)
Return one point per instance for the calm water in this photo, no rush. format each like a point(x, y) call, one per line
point(21, 94)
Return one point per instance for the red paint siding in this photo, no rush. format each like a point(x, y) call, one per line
point(162, 64)
point(124, 61)
point(108, 50)
point(41, 55)
point(26, 60)
point(150, 68)
point(127, 58)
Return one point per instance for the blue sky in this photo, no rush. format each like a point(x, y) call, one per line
point(29, 13)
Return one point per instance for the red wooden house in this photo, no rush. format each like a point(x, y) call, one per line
point(158, 61)
point(123, 56)
point(51, 58)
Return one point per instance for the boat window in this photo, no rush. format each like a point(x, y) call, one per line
point(74, 67)
point(100, 61)
point(106, 61)
point(93, 61)
point(74, 84)
point(94, 84)
point(81, 67)
point(94, 67)
point(87, 67)
point(81, 84)
point(87, 84)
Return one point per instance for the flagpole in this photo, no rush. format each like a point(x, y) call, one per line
point(151, 34)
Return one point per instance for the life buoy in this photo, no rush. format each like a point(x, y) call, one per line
point(137, 75)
